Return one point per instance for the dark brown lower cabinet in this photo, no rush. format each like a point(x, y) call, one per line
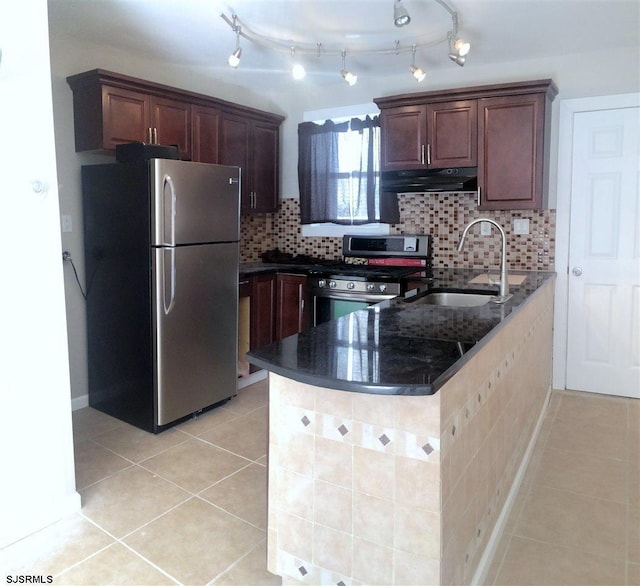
point(263, 307)
point(279, 307)
point(291, 311)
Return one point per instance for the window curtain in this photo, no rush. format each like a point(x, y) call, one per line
point(339, 176)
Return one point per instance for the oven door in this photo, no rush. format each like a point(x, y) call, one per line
point(328, 305)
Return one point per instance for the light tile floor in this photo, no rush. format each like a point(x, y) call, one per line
point(188, 506)
point(576, 518)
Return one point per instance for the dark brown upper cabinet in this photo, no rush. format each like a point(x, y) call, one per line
point(111, 109)
point(429, 136)
point(205, 123)
point(452, 131)
point(502, 129)
point(252, 144)
point(512, 173)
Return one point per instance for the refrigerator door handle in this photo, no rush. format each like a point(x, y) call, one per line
point(168, 182)
point(168, 279)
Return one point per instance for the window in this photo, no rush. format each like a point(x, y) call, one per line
point(339, 175)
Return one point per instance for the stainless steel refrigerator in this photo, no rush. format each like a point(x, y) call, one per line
point(161, 260)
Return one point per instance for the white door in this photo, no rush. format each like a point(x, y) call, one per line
point(603, 334)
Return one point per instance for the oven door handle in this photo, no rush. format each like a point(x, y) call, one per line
point(375, 298)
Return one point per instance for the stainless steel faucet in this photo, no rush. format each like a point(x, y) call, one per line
point(504, 277)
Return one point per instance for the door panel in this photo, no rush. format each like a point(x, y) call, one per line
point(404, 138)
point(204, 138)
point(172, 121)
point(127, 116)
point(603, 350)
point(196, 328)
point(202, 199)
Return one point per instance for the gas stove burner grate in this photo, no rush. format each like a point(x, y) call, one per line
point(364, 272)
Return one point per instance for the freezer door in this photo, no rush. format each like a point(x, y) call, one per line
point(196, 327)
point(194, 202)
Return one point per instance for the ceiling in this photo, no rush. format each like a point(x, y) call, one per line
point(192, 32)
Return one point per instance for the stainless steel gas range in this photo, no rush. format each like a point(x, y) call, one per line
point(387, 263)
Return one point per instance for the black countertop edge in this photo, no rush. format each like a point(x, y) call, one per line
point(313, 357)
point(342, 384)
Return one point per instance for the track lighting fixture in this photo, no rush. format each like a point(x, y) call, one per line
point(297, 71)
point(417, 72)
point(458, 48)
point(234, 58)
point(400, 15)
point(350, 77)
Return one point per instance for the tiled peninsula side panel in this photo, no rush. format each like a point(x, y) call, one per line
point(354, 486)
point(375, 489)
point(442, 215)
point(489, 411)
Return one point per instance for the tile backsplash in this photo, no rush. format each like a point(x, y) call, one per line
point(441, 215)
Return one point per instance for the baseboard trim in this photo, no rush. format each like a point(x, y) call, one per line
point(79, 402)
point(254, 377)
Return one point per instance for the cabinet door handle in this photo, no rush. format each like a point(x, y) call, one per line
point(428, 154)
point(149, 135)
point(478, 196)
point(422, 155)
point(155, 136)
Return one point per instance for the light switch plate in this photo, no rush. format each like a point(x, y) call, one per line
point(485, 229)
point(67, 223)
point(521, 226)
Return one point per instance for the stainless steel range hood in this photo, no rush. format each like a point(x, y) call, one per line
point(461, 179)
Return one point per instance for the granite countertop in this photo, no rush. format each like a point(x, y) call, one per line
point(397, 347)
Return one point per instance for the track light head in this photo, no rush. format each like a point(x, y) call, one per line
point(400, 15)
point(297, 70)
point(350, 77)
point(417, 72)
point(458, 49)
point(461, 47)
point(234, 58)
point(457, 59)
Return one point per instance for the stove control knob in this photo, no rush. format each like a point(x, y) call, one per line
point(383, 288)
point(332, 284)
point(321, 283)
point(370, 287)
point(350, 285)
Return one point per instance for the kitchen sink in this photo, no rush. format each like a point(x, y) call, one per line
point(456, 298)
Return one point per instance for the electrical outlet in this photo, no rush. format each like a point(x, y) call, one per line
point(485, 229)
point(521, 226)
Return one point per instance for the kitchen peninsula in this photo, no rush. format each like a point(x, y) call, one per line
point(397, 432)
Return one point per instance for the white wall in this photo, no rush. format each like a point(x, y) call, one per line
point(36, 458)
point(598, 73)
